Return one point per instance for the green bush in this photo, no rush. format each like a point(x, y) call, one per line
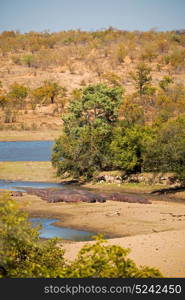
point(21, 253)
point(166, 151)
point(108, 261)
point(126, 148)
point(28, 60)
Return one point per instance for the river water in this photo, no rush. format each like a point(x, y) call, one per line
point(37, 151)
point(26, 151)
point(49, 230)
point(21, 185)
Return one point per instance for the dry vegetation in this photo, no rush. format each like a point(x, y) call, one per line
point(74, 59)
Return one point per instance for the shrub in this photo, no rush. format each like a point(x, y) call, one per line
point(142, 78)
point(21, 253)
point(126, 148)
point(17, 95)
point(166, 151)
point(99, 260)
point(121, 53)
point(28, 60)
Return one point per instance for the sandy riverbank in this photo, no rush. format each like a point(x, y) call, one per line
point(163, 250)
point(154, 232)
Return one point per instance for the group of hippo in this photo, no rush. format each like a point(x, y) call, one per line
point(77, 195)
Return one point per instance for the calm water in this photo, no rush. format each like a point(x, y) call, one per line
point(20, 185)
point(50, 231)
point(37, 151)
point(26, 151)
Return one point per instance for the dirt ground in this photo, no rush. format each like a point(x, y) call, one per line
point(155, 232)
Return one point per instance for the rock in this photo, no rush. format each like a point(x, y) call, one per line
point(109, 178)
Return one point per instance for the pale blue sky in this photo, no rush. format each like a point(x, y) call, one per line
point(58, 15)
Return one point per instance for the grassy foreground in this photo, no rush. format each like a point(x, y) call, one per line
point(28, 135)
point(27, 171)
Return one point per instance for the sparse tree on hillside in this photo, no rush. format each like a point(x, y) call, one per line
point(47, 93)
point(121, 53)
point(28, 60)
point(3, 97)
point(17, 95)
point(148, 53)
point(51, 90)
point(112, 78)
point(142, 78)
point(165, 82)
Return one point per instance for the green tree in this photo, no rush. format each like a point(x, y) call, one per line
point(47, 93)
point(127, 147)
point(107, 261)
point(164, 83)
point(166, 151)
point(37, 97)
point(17, 95)
point(51, 90)
point(21, 252)
point(142, 78)
point(7, 106)
point(83, 147)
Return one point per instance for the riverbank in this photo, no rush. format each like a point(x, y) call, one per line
point(44, 172)
point(28, 171)
point(29, 135)
point(162, 250)
point(154, 232)
point(133, 218)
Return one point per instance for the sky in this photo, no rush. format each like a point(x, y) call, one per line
point(91, 15)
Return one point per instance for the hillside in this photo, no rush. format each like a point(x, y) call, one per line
point(74, 59)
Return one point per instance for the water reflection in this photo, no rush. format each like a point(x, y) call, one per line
point(20, 185)
point(26, 151)
point(50, 231)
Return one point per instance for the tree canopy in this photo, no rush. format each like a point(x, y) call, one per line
point(83, 147)
point(166, 151)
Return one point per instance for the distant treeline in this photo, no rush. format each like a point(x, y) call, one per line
point(44, 49)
